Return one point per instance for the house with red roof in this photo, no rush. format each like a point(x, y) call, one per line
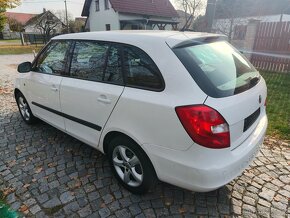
point(16, 18)
point(129, 14)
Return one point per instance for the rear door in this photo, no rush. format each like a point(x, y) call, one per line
point(92, 90)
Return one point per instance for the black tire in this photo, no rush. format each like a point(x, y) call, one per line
point(144, 168)
point(24, 109)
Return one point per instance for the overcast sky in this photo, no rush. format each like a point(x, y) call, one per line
point(36, 6)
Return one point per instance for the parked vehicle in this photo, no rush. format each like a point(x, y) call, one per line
point(186, 108)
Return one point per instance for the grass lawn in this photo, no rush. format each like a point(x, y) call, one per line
point(8, 41)
point(18, 49)
point(278, 104)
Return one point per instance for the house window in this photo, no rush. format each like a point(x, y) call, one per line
point(108, 27)
point(97, 5)
point(106, 4)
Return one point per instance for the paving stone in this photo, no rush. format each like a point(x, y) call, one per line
point(104, 212)
point(86, 211)
point(52, 203)
point(71, 207)
point(42, 198)
point(35, 209)
point(267, 194)
point(135, 209)
point(122, 213)
point(66, 197)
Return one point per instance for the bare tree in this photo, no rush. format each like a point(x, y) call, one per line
point(191, 9)
point(47, 24)
point(231, 14)
point(62, 15)
point(14, 25)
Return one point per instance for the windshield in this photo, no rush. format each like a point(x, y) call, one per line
point(218, 68)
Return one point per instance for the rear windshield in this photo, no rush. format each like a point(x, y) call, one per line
point(218, 68)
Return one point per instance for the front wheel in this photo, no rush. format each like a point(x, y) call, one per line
point(131, 166)
point(24, 109)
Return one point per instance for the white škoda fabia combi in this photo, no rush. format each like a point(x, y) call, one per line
point(186, 108)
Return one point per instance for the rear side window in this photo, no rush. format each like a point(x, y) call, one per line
point(141, 71)
point(218, 68)
point(89, 60)
point(97, 61)
point(53, 60)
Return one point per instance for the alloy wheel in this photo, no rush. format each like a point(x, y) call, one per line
point(24, 109)
point(127, 166)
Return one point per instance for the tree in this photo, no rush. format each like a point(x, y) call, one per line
point(231, 11)
point(14, 25)
point(191, 9)
point(47, 24)
point(199, 24)
point(62, 16)
point(76, 26)
point(6, 4)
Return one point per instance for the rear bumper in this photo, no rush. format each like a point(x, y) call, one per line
point(201, 169)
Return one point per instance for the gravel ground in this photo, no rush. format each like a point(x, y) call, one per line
point(46, 173)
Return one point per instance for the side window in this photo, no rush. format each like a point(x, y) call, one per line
point(89, 60)
point(140, 69)
point(113, 71)
point(53, 60)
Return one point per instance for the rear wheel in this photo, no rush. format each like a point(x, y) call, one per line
point(24, 109)
point(130, 165)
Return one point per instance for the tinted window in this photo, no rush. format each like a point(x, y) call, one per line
point(89, 60)
point(141, 71)
point(113, 71)
point(218, 68)
point(53, 60)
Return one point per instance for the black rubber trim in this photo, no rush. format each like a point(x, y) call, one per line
point(77, 120)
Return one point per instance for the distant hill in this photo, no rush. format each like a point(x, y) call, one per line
point(246, 8)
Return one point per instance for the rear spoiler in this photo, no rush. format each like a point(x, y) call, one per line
point(200, 41)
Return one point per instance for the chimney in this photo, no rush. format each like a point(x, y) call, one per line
point(44, 10)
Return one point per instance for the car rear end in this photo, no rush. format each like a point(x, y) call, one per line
point(228, 128)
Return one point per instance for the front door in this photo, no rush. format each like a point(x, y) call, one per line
point(44, 83)
point(91, 92)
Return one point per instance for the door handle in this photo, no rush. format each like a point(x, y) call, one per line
point(104, 99)
point(53, 88)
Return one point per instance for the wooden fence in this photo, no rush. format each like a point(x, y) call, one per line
point(272, 47)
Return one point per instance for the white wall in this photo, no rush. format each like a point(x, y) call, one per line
point(99, 19)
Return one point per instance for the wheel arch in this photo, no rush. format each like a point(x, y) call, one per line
point(17, 91)
point(113, 134)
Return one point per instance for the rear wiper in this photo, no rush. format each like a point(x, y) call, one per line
point(254, 81)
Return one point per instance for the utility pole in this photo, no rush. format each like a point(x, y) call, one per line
point(210, 14)
point(67, 27)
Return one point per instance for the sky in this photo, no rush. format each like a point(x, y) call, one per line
point(74, 7)
point(36, 6)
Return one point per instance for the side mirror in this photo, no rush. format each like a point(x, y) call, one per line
point(24, 67)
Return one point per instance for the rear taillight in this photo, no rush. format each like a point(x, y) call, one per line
point(205, 126)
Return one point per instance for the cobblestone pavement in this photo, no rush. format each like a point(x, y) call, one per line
point(46, 173)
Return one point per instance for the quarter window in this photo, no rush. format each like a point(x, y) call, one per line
point(89, 60)
point(141, 71)
point(53, 60)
